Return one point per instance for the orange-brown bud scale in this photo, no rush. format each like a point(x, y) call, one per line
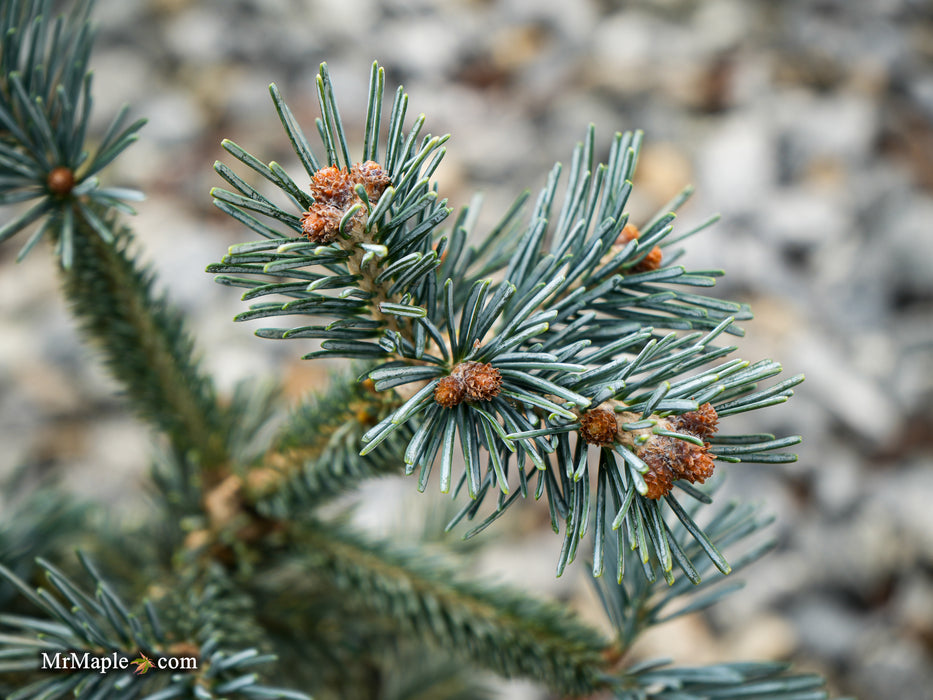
point(482, 382)
point(670, 458)
point(701, 423)
point(659, 481)
point(598, 426)
point(372, 177)
point(449, 392)
point(470, 382)
point(334, 195)
point(652, 261)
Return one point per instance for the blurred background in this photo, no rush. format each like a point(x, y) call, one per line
point(807, 125)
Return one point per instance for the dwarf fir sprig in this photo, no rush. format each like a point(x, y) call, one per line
point(49, 159)
point(45, 105)
point(561, 356)
point(564, 355)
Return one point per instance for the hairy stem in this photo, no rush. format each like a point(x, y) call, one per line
point(144, 342)
point(493, 627)
point(379, 291)
point(315, 456)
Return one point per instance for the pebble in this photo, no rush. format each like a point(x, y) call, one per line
point(737, 164)
point(907, 248)
point(840, 126)
point(854, 400)
point(827, 628)
point(894, 667)
point(200, 35)
point(905, 500)
point(798, 218)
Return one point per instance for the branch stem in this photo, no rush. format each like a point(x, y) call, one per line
point(144, 341)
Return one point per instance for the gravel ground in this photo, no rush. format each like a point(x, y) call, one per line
point(807, 125)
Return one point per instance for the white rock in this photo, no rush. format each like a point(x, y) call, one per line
point(905, 497)
point(737, 164)
point(121, 77)
point(838, 483)
point(799, 216)
point(827, 628)
point(173, 117)
point(839, 126)
point(852, 398)
point(721, 24)
point(201, 35)
point(422, 44)
point(113, 467)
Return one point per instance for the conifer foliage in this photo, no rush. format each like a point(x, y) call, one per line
point(552, 334)
point(566, 355)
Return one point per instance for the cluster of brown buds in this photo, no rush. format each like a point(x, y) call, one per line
point(652, 261)
point(334, 195)
point(470, 382)
point(668, 458)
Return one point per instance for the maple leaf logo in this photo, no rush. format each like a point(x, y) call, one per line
point(143, 664)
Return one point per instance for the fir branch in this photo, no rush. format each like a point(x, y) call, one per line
point(144, 342)
point(492, 627)
point(368, 225)
point(314, 457)
point(39, 523)
point(415, 678)
point(98, 624)
point(562, 352)
point(638, 603)
point(45, 106)
point(102, 625)
point(656, 680)
point(520, 369)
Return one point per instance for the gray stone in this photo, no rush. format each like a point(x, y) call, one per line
point(422, 42)
point(840, 126)
point(112, 468)
point(737, 164)
point(201, 34)
point(856, 401)
point(798, 216)
point(922, 92)
point(904, 496)
point(911, 380)
point(621, 51)
point(907, 245)
point(174, 118)
point(837, 481)
point(121, 77)
point(721, 25)
point(827, 628)
point(893, 666)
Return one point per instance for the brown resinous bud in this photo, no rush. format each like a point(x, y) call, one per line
point(668, 458)
point(470, 382)
point(60, 181)
point(334, 195)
